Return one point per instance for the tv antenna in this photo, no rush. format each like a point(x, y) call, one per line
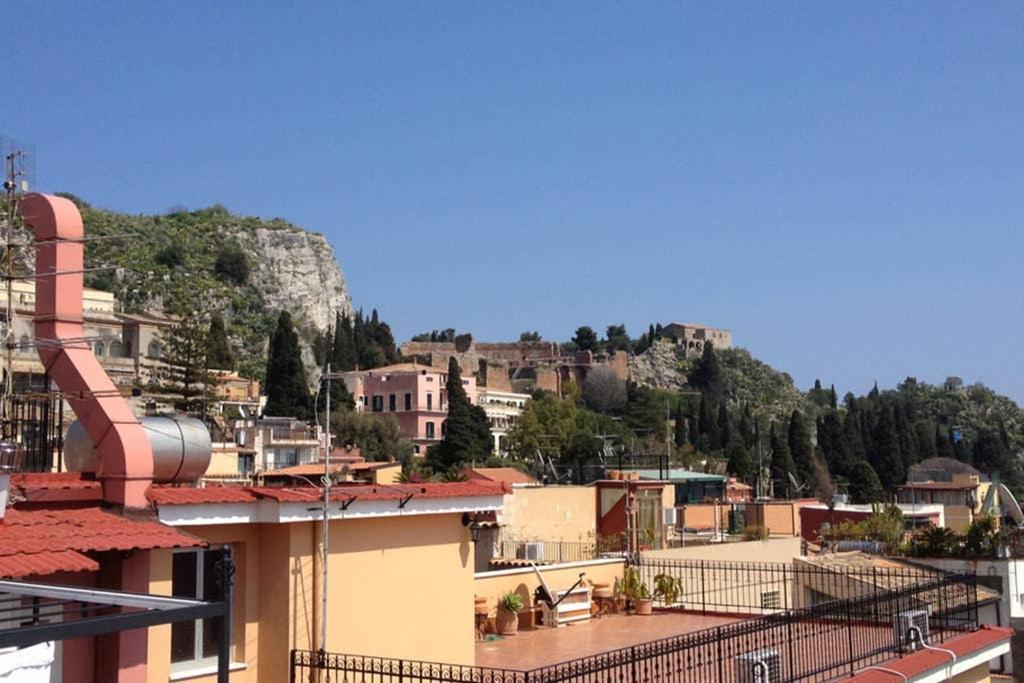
point(20, 175)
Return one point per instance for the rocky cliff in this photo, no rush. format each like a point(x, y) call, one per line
point(197, 262)
point(657, 367)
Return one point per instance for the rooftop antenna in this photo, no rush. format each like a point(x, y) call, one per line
point(20, 175)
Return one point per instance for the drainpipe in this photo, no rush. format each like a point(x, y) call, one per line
point(126, 468)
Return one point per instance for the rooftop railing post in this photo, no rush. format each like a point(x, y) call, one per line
point(225, 567)
point(291, 673)
point(849, 633)
point(789, 644)
point(721, 664)
point(703, 593)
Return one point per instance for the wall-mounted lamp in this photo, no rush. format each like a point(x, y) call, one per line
point(470, 521)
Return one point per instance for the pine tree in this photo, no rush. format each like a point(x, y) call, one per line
point(184, 369)
point(800, 445)
point(287, 395)
point(887, 459)
point(467, 434)
point(218, 351)
point(782, 462)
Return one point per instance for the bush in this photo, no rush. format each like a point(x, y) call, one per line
point(755, 533)
point(232, 264)
point(172, 256)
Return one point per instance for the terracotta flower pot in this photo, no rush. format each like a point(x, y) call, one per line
point(506, 623)
point(615, 474)
point(480, 605)
point(644, 607)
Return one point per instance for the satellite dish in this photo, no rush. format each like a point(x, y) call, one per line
point(1010, 505)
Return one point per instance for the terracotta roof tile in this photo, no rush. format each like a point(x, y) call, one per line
point(47, 481)
point(297, 494)
point(179, 495)
point(25, 532)
point(42, 563)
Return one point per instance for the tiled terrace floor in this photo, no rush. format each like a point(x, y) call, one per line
point(538, 647)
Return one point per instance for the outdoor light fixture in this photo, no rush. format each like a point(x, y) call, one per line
point(474, 526)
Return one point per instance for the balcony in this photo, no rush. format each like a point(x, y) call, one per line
point(290, 435)
point(845, 624)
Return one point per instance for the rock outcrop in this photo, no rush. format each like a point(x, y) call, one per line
point(657, 367)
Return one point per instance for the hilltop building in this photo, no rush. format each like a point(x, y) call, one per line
point(691, 337)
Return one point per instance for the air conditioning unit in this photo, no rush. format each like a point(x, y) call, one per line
point(531, 551)
point(668, 516)
point(759, 666)
point(905, 624)
point(840, 498)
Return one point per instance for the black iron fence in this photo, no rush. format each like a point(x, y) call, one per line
point(811, 643)
point(36, 425)
point(769, 587)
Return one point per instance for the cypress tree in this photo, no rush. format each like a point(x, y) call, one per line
point(343, 351)
point(218, 351)
point(740, 463)
point(680, 428)
point(800, 445)
point(692, 431)
point(746, 430)
point(865, 486)
point(887, 460)
point(837, 455)
point(724, 425)
point(905, 433)
point(833, 400)
point(650, 336)
point(943, 448)
point(852, 437)
point(467, 429)
point(711, 437)
point(287, 395)
point(707, 373)
point(782, 462)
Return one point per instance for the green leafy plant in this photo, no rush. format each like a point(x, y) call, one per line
point(631, 586)
point(511, 602)
point(935, 541)
point(667, 588)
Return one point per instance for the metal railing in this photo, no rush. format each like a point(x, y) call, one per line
point(813, 643)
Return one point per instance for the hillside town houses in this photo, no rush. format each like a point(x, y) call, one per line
point(250, 548)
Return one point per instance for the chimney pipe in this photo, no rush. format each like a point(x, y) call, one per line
point(126, 457)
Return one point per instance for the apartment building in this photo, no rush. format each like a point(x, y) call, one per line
point(503, 409)
point(415, 395)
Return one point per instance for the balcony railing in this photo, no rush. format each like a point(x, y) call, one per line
point(818, 642)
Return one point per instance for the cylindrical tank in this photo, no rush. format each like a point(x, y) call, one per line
point(181, 448)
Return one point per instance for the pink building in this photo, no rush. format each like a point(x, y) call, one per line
point(414, 394)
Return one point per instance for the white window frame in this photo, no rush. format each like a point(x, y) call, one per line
point(190, 665)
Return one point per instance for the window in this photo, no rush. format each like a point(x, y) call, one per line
point(246, 464)
point(391, 403)
point(97, 348)
point(771, 600)
point(430, 401)
point(154, 350)
point(408, 401)
point(194, 575)
point(430, 430)
point(116, 349)
point(25, 344)
point(378, 404)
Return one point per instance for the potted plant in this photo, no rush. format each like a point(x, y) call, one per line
point(507, 620)
point(633, 589)
point(667, 589)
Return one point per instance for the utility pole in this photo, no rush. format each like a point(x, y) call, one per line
point(10, 185)
point(327, 515)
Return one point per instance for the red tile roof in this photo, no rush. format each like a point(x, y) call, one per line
point(46, 481)
point(296, 494)
point(25, 532)
point(938, 486)
point(42, 563)
point(180, 495)
point(509, 475)
point(923, 661)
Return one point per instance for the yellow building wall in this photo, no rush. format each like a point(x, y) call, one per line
point(493, 585)
point(388, 475)
point(223, 463)
point(402, 587)
point(958, 517)
point(551, 513)
point(245, 540)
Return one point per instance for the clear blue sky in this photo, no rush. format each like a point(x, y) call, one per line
point(841, 184)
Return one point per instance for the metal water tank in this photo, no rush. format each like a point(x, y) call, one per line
point(181, 448)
